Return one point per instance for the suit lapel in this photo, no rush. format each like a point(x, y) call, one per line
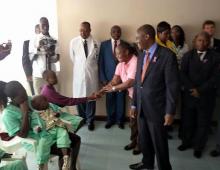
point(153, 61)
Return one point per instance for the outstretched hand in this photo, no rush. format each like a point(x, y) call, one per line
point(94, 96)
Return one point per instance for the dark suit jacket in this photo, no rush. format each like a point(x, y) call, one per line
point(107, 61)
point(216, 46)
point(202, 75)
point(157, 95)
point(26, 63)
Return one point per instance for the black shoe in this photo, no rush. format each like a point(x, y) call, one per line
point(183, 147)
point(215, 153)
point(138, 166)
point(108, 125)
point(129, 147)
point(121, 125)
point(91, 126)
point(136, 151)
point(197, 153)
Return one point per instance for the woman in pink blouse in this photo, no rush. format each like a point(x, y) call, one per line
point(124, 79)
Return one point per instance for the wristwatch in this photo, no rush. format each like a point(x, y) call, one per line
point(113, 88)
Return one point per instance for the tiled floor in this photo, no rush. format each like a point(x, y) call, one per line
point(103, 150)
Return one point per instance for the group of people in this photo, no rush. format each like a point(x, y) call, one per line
point(159, 72)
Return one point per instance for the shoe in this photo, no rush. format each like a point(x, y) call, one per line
point(136, 150)
point(214, 153)
point(197, 153)
point(183, 147)
point(129, 147)
point(139, 166)
point(121, 125)
point(66, 162)
point(91, 126)
point(108, 125)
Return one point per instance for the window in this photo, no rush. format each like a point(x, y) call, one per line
point(18, 19)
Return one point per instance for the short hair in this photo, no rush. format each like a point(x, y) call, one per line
point(12, 88)
point(131, 50)
point(208, 22)
point(147, 29)
point(46, 73)
point(163, 26)
point(116, 26)
point(204, 34)
point(44, 19)
point(86, 24)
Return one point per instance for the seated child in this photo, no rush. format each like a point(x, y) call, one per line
point(54, 125)
point(54, 97)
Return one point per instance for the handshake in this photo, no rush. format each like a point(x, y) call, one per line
point(105, 89)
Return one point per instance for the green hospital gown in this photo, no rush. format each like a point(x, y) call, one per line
point(73, 119)
point(12, 119)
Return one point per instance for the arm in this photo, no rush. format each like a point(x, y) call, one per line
point(13, 125)
point(25, 120)
point(172, 84)
point(56, 98)
point(72, 55)
point(27, 65)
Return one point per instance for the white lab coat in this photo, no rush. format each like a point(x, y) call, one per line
point(85, 70)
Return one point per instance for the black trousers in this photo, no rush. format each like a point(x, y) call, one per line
point(87, 111)
point(74, 151)
point(153, 141)
point(196, 120)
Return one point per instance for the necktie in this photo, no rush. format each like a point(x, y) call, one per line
point(200, 56)
point(145, 67)
point(115, 45)
point(85, 48)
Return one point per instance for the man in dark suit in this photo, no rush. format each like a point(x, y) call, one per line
point(115, 101)
point(155, 97)
point(199, 73)
point(209, 27)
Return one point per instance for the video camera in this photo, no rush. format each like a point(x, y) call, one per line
point(48, 44)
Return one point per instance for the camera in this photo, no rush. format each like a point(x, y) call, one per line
point(48, 44)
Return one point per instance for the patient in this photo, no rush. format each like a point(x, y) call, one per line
point(53, 125)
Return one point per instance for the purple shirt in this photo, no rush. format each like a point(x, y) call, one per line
point(54, 97)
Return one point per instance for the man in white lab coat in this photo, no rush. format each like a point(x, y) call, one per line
point(84, 51)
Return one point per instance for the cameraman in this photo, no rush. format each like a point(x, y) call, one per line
point(46, 55)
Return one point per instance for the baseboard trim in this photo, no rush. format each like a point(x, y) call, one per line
point(176, 121)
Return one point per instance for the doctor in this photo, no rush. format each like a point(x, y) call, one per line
point(84, 51)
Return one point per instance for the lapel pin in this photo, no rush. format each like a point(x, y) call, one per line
point(155, 59)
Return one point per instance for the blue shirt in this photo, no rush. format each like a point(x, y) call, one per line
point(151, 50)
